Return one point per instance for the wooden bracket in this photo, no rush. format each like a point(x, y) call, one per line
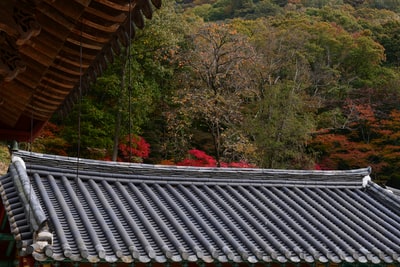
point(17, 26)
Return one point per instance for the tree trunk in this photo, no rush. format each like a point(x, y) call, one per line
point(117, 128)
point(116, 136)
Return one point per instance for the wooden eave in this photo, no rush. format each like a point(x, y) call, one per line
point(50, 48)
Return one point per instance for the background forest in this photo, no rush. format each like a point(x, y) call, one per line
point(298, 84)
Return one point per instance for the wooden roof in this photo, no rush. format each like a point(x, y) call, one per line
point(45, 46)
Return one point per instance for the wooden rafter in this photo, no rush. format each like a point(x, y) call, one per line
point(52, 45)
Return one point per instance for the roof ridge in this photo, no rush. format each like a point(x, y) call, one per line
point(147, 173)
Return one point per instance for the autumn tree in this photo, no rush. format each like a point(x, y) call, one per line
point(389, 147)
point(369, 138)
point(49, 141)
point(213, 83)
point(275, 91)
point(133, 149)
point(201, 159)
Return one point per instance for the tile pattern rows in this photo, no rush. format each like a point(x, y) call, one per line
point(123, 213)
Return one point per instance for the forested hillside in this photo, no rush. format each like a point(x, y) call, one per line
point(305, 84)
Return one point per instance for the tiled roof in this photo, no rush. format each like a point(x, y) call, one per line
point(393, 190)
point(83, 210)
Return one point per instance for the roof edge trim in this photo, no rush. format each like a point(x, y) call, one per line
point(386, 195)
point(366, 180)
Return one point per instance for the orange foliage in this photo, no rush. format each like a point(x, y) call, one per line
point(367, 141)
point(167, 162)
point(201, 159)
point(49, 141)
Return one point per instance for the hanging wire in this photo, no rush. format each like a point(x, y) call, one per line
point(79, 107)
point(130, 81)
point(31, 130)
point(30, 151)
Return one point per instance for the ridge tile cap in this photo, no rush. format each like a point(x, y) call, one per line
point(27, 155)
point(149, 172)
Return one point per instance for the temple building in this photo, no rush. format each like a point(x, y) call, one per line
point(62, 211)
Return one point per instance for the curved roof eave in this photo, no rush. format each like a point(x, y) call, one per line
point(50, 50)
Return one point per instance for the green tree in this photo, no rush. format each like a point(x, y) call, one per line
point(129, 91)
point(227, 9)
point(281, 128)
point(93, 132)
point(170, 28)
point(389, 37)
point(342, 15)
point(320, 3)
point(280, 115)
point(393, 5)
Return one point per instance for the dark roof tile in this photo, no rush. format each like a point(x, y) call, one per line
point(84, 210)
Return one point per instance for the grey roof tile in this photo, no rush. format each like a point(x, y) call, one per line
point(63, 208)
